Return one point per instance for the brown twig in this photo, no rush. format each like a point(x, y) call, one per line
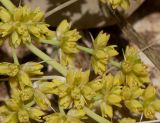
point(131, 35)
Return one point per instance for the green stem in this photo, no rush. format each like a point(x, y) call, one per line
point(62, 111)
point(94, 116)
point(47, 59)
point(30, 104)
point(8, 4)
point(115, 63)
point(52, 42)
point(15, 58)
point(85, 49)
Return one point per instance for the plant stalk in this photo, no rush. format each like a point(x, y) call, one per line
point(47, 59)
point(8, 4)
point(54, 42)
point(85, 49)
point(15, 58)
point(94, 116)
point(115, 63)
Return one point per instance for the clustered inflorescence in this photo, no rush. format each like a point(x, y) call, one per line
point(78, 97)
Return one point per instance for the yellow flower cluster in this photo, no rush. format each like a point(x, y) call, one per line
point(75, 92)
point(134, 70)
point(67, 41)
point(22, 24)
point(14, 111)
point(127, 120)
point(73, 116)
point(102, 53)
point(118, 3)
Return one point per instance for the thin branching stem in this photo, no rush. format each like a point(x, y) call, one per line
point(15, 58)
point(152, 121)
point(95, 116)
point(47, 59)
point(60, 7)
point(8, 4)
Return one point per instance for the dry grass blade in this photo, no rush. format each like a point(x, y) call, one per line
point(131, 35)
point(60, 7)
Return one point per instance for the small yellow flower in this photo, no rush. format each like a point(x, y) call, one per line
point(151, 102)
point(127, 120)
point(22, 25)
point(118, 3)
point(101, 53)
point(134, 70)
point(26, 94)
point(8, 69)
point(75, 91)
point(110, 95)
point(23, 116)
point(41, 99)
point(69, 118)
point(149, 112)
point(67, 41)
point(149, 93)
point(134, 106)
point(16, 111)
point(131, 96)
point(4, 15)
point(35, 114)
point(32, 68)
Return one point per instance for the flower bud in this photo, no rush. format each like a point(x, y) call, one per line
point(106, 110)
point(149, 112)
point(63, 27)
point(32, 68)
point(17, 16)
point(35, 114)
point(127, 120)
point(114, 99)
point(22, 29)
point(8, 69)
point(13, 104)
point(26, 94)
point(140, 69)
point(134, 106)
point(23, 116)
point(41, 100)
point(88, 92)
point(127, 66)
point(4, 15)
point(125, 4)
point(76, 94)
point(101, 40)
point(5, 29)
point(149, 93)
point(35, 31)
point(65, 102)
point(38, 15)
point(15, 39)
point(79, 104)
point(156, 105)
point(24, 79)
point(12, 118)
